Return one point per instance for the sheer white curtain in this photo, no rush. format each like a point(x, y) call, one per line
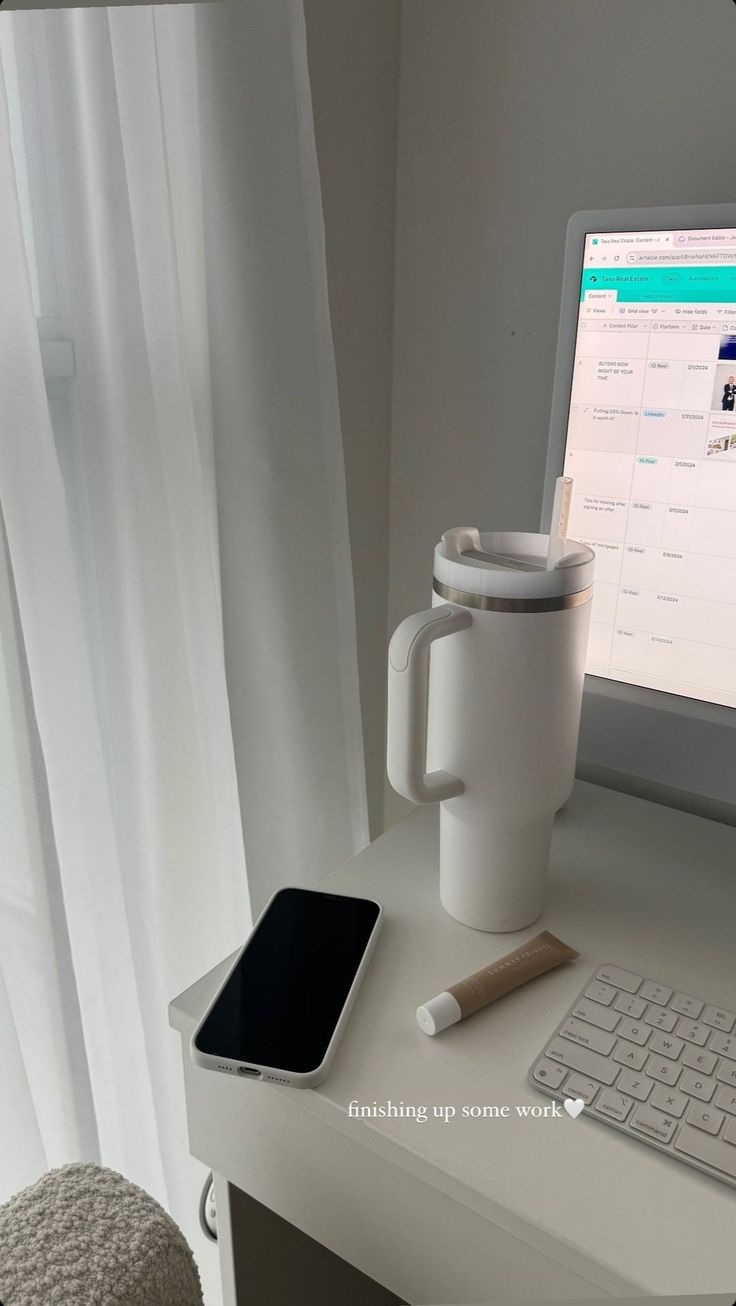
point(285, 554)
point(169, 465)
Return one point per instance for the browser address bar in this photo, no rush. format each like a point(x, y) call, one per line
point(699, 257)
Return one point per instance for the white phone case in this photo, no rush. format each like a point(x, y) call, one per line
point(275, 1074)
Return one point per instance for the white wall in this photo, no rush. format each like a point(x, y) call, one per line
point(512, 115)
point(354, 69)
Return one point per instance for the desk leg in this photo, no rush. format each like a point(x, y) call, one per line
point(266, 1260)
point(225, 1242)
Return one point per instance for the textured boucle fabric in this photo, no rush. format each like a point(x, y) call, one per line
point(84, 1236)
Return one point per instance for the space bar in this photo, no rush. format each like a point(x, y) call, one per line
point(703, 1147)
point(582, 1059)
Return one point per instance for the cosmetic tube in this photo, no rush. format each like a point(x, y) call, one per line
point(463, 999)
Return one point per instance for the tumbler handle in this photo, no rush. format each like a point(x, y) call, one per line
point(408, 689)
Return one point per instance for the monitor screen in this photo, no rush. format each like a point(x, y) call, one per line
point(651, 448)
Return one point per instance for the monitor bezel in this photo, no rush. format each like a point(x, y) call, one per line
point(646, 737)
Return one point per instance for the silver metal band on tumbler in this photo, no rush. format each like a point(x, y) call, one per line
point(489, 603)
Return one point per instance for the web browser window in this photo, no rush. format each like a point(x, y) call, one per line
point(651, 446)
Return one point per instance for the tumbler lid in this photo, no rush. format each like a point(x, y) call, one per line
point(510, 564)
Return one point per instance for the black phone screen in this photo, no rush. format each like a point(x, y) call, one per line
point(283, 1000)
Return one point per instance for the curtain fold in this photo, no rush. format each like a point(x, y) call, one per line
point(285, 554)
point(177, 647)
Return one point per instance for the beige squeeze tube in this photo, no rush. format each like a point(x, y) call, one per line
point(532, 958)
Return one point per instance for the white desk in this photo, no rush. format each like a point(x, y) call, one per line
point(479, 1210)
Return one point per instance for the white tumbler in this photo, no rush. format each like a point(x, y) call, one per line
point(491, 733)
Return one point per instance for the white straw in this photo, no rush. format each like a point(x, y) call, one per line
point(558, 525)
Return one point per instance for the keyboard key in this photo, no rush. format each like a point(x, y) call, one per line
point(633, 1031)
point(590, 1037)
point(694, 1059)
point(578, 1058)
point(621, 979)
point(661, 1018)
point(718, 1018)
point(655, 992)
point(655, 1124)
point(726, 1072)
point(686, 1006)
point(578, 1086)
point(726, 1099)
point(666, 1072)
point(630, 1006)
point(628, 1054)
point(666, 1045)
point(729, 1133)
point(638, 1086)
point(604, 993)
point(550, 1074)
point(705, 1117)
point(613, 1104)
point(723, 1045)
point(711, 1151)
point(669, 1100)
point(696, 1085)
point(693, 1032)
point(595, 1014)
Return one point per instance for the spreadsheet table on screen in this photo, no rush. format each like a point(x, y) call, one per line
point(651, 446)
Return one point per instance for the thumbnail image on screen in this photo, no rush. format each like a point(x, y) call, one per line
point(651, 447)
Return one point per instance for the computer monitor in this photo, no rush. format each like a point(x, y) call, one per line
point(644, 420)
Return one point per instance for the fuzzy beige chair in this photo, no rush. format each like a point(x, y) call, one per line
point(84, 1236)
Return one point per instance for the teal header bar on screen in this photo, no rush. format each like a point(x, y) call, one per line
point(677, 285)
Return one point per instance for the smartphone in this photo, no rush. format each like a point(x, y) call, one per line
point(284, 1004)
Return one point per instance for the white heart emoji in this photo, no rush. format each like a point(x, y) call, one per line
point(573, 1106)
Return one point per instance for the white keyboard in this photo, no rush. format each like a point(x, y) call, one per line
point(657, 1064)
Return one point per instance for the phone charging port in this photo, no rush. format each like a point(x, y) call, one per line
point(249, 1070)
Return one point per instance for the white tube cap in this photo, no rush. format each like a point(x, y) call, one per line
point(438, 1013)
